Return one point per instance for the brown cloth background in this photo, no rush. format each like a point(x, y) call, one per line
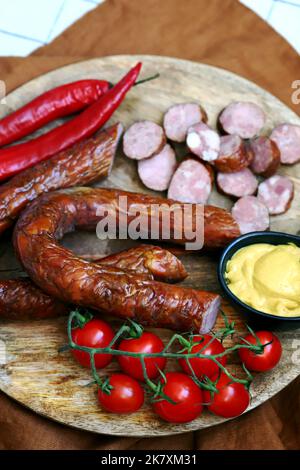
point(217, 32)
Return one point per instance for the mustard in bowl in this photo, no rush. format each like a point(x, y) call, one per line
point(260, 273)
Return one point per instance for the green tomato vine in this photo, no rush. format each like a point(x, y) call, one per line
point(185, 342)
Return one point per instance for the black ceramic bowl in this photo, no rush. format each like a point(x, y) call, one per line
point(274, 238)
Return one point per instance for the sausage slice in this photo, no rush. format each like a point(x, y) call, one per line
point(143, 139)
point(266, 156)
point(251, 215)
point(192, 182)
point(287, 138)
point(180, 117)
point(276, 193)
point(237, 184)
point(203, 142)
point(243, 118)
point(234, 154)
point(156, 172)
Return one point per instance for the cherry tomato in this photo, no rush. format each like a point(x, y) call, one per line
point(94, 334)
point(146, 343)
point(231, 400)
point(268, 359)
point(126, 396)
point(187, 396)
point(204, 367)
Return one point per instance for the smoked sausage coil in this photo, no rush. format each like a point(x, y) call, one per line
point(148, 259)
point(63, 275)
point(20, 299)
point(84, 163)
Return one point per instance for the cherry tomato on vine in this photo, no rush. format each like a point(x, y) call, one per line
point(208, 345)
point(270, 356)
point(182, 390)
point(231, 399)
point(146, 343)
point(126, 395)
point(94, 333)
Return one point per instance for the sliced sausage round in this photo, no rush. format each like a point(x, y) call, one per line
point(143, 139)
point(276, 193)
point(251, 215)
point(237, 184)
point(266, 156)
point(203, 142)
point(243, 118)
point(180, 117)
point(156, 172)
point(287, 138)
point(234, 154)
point(191, 182)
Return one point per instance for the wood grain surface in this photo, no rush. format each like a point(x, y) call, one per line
point(51, 383)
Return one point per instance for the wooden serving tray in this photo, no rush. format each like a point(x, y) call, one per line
point(52, 384)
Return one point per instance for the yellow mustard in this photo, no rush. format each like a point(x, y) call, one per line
point(267, 277)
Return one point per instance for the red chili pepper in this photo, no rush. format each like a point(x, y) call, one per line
point(53, 104)
point(19, 157)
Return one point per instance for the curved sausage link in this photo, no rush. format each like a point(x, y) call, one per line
point(161, 263)
point(20, 299)
point(84, 163)
point(61, 274)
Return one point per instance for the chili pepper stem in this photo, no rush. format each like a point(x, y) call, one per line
point(139, 82)
point(147, 79)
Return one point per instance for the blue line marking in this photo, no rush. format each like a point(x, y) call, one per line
point(56, 19)
point(94, 2)
point(271, 10)
point(21, 36)
point(288, 2)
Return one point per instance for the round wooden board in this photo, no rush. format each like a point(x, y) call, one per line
point(52, 384)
